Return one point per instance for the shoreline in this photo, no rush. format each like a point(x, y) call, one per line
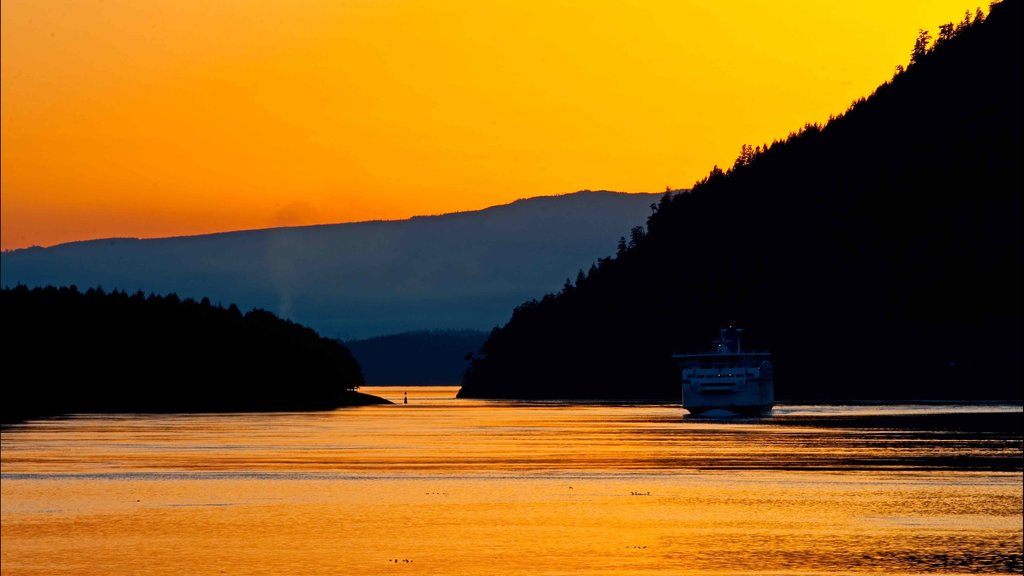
point(353, 399)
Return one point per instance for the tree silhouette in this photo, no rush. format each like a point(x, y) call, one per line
point(920, 46)
point(745, 157)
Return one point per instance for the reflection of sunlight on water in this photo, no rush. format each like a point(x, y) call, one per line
point(893, 409)
point(478, 487)
point(416, 394)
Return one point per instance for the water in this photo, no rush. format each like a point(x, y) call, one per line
point(445, 486)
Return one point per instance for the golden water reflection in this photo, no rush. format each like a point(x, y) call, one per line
point(445, 486)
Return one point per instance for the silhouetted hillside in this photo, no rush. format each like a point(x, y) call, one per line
point(876, 257)
point(67, 351)
point(457, 271)
point(416, 358)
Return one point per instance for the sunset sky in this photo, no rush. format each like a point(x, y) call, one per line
point(155, 118)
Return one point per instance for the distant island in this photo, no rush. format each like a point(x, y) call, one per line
point(877, 257)
point(68, 351)
point(421, 358)
point(465, 270)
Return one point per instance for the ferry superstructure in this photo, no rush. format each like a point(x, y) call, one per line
point(727, 378)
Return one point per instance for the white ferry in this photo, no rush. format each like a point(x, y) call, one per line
point(727, 378)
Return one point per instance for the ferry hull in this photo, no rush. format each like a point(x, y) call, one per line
point(738, 410)
point(749, 397)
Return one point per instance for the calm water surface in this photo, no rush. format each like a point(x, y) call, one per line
point(445, 486)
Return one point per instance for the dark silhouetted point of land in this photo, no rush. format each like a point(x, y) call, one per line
point(68, 351)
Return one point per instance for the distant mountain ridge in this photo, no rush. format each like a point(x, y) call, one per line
point(877, 257)
point(465, 270)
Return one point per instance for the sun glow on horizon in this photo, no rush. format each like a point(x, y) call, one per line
point(155, 119)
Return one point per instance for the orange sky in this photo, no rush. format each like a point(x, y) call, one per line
point(155, 118)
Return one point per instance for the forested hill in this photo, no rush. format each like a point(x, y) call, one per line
point(67, 351)
point(878, 256)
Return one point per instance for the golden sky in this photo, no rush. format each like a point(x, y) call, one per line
point(166, 117)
